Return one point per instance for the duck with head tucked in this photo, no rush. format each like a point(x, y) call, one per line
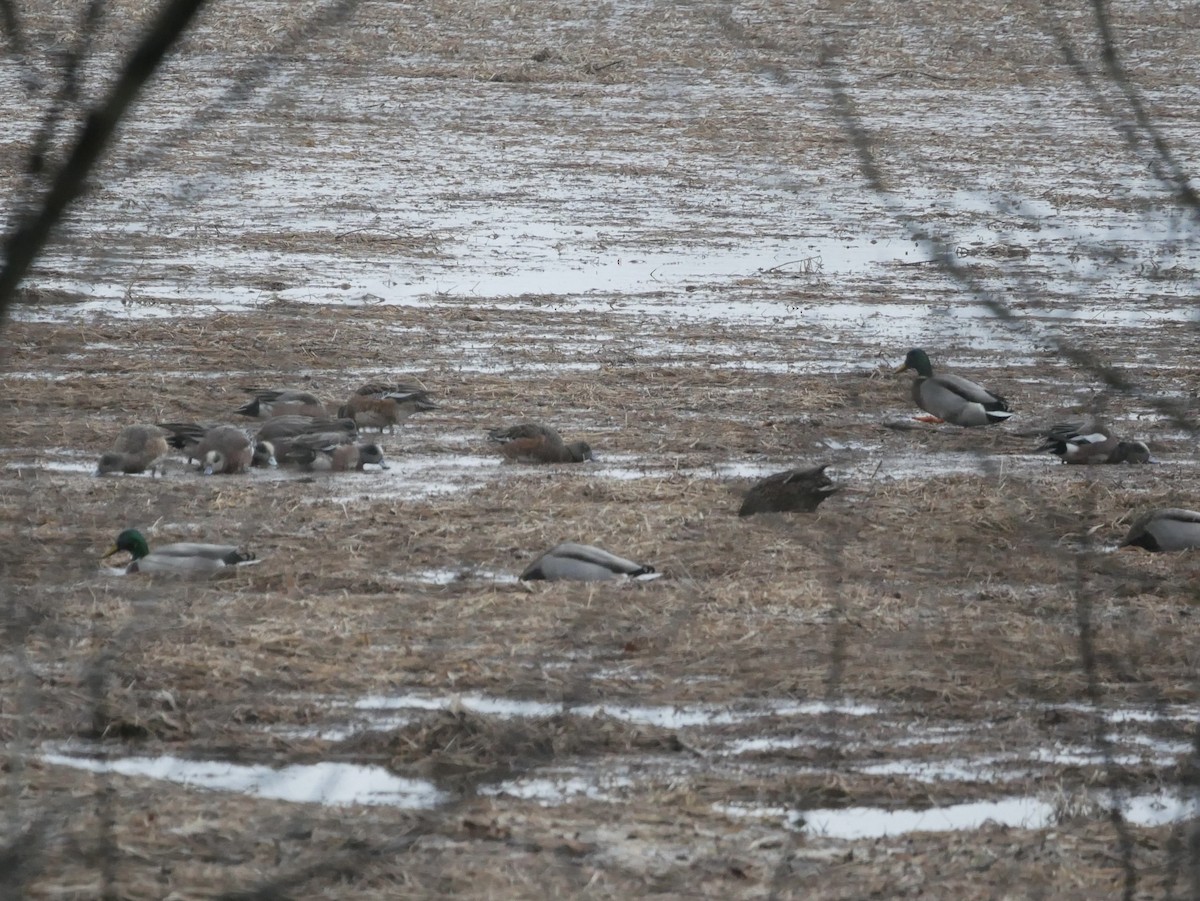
point(1083, 441)
point(137, 448)
point(1165, 529)
point(951, 398)
point(797, 490)
point(531, 442)
point(184, 558)
point(583, 563)
point(379, 406)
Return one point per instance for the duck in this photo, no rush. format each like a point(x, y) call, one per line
point(796, 490)
point(583, 563)
point(186, 436)
point(291, 425)
point(268, 404)
point(136, 449)
point(1165, 529)
point(294, 449)
point(951, 398)
point(219, 448)
point(331, 452)
point(531, 442)
point(378, 406)
point(1085, 441)
point(179, 559)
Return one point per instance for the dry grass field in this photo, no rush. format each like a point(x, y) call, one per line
point(649, 226)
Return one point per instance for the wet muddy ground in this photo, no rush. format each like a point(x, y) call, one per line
point(646, 225)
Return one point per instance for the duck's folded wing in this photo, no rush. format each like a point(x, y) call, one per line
point(963, 389)
point(524, 431)
point(224, 554)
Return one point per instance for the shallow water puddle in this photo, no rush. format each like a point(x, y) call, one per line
point(453, 576)
point(413, 477)
point(1021, 812)
point(553, 787)
point(318, 783)
point(56, 466)
point(680, 717)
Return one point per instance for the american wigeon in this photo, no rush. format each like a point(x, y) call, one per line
point(530, 442)
point(951, 398)
point(1085, 441)
point(330, 452)
point(177, 559)
point(186, 436)
point(379, 406)
point(797, 490)
point(1165, 529)
point(303, 447)
point(582, 563)
point(268, 404)
point(219, 448)
point(282, 427)
point(137, 448)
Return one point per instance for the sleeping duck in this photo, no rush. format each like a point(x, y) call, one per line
point(583, 563)
point(183, 558)
point(1165, 529)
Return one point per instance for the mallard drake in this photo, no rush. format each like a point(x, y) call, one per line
point(1165, 529)
point(269, 404)
point(331, 452)
point(137, 448)
point(283, 427)
point(219, 448)
point(179, 559)
point(951, 398)
point(530, 442)
point(797, 490)
point(379, 406)
point(583, 563)
point(1087, 441)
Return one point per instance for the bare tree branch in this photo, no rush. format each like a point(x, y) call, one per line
point(24, 245)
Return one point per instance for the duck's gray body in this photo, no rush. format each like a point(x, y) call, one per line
point(290, 426)
point(187, 558)
point(304, 447)
point(269, 404)
point(1166, 529)
point(960, 401)
point(137, 448)
point(582, 563)
point(952, 398)
point(796, 490)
